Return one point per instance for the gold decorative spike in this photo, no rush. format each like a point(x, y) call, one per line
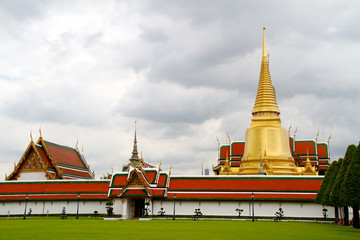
point(328, 140)
point(316, 136)
point(40, 131)
point(295, 133)
point(264, 51)
point(82, 149)
point(77, 142)
point(31, 136)
point(289, 129)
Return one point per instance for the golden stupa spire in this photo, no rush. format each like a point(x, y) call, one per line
point(266, 132)
point(265, 99)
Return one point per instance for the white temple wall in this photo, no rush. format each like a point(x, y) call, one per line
point(52, 207)
point(208, 208)
point(40, 175)
point(228, 208)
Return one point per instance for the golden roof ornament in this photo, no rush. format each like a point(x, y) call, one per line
point(40, 131)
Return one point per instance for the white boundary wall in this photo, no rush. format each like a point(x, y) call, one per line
point(124, 207)
point(55, 207)
point(228, 208)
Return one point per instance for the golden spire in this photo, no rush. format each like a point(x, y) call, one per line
point(265, 98)
point(40, 131)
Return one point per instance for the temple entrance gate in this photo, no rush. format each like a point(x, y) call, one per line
point(138, 207)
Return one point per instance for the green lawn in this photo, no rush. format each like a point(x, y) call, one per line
point(93, 228)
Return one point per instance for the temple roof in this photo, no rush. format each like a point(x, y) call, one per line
point(56, 161)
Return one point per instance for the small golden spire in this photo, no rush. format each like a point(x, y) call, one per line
point(264, 52)
point(328, 140)
point(31, 136)
point(316, 136)
point(40, 131)
point(307, 156)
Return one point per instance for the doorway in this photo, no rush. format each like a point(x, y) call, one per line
point(139, 207)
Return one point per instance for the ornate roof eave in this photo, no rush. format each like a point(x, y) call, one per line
point(17, 166)
point(130, 179)
point(83, 160)
point(59, 172)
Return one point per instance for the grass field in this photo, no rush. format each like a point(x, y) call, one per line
point(94, 228)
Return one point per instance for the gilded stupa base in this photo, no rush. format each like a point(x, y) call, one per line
point(270, 167)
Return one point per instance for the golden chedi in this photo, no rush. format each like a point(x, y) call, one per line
point(267, 148)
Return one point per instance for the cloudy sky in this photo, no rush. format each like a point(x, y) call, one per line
point(187, 71)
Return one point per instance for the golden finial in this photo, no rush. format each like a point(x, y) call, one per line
point(289, 129)
point(229, 139)
point(40, 131)
point(77, 142)
point(264, 53)
point(217, 139)
point(328, 139)
point(307, 156)
point(316, 136)
point(31, 137)
point(112, 169)
point(82, 149)
point(295, 133)
point(170, 170)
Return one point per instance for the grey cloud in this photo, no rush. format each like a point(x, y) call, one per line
point(22, 9)
point(172, 103)
point(60, 104)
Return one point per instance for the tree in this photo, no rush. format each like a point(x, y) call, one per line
point(351, 186)
point(109, 208)
point(325, 182)
point(326, 197)
point(335, 194)
point(322, 196)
